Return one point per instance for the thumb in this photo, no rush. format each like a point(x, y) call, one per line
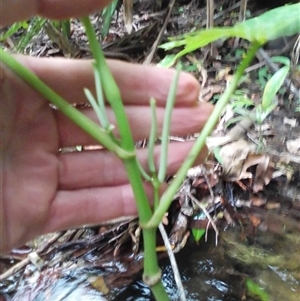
point(13, 11)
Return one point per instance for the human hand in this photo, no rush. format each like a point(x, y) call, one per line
point(44, 190)
point(55, 9)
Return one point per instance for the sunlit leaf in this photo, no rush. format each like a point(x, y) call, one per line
point(281, 60)
point(254, 289)
point(281, 21)
point(167, 60)
point(272, 87)
point(172, 44)
point(198, 233)
point(275, 23)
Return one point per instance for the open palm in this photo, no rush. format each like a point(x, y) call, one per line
point(44, 190)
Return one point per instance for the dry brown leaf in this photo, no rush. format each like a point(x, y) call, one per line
point(99, 284)
point(59, 39)
point(200, 68)
point(223, 73)
point(229, 113)
point(272, 205)
point(291, 121)
point(293, 146)
point(204, 76)
point(237, 159)
point(264, 170)
point(128, 7)
point(258, 201)
point(207, 93)
point(255, 221)
point(233, 156)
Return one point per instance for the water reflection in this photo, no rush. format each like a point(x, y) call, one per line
point(209, 273)
point(213, 273)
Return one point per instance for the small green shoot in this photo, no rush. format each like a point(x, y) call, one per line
point(34, 28)
point(281, 60)
point(166, 127)
point(63, 27)
point(239, 105)
point(107, 15)
point(263, 77)
point(255, 290)
point(217, 155)
point(239, 53)
point(237, 118)
point(167, 61)
point(13, 29)
point(198, 233)
point(269, 102)
point(240, 100)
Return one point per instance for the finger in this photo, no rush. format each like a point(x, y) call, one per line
point(13, 11)
point(90, 206)
point(184, 121)
point(102, 168)
point(137, 83)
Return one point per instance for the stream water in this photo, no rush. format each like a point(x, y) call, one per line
point(213, 273)
point(268, 254)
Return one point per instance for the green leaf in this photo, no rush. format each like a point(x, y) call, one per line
point(172, 44)
point(167, 61)
point(12, 29)
point(272, 87)
point(63, 26)
point(198, 233)
point(35, 26)
point(281, 21)
point(281, 60)
point(275, 23)
point(263, 76)
point(241, 101)
point(107, 15)
point(230, 122)
point(254, 289)
point(66, 28)
point(216, 152)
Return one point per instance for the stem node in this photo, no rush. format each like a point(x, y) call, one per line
point(151, 280)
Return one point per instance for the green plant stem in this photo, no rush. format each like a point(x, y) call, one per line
point(151, 267)
point(101, 103)
point(156, 185)
point(93, 103)
point(143, 172)
point(152, 137)
point(113, 96)
point(72, 113)
point(166, 127)
point(166, 198)
point(151, 144)
point(110, 87)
